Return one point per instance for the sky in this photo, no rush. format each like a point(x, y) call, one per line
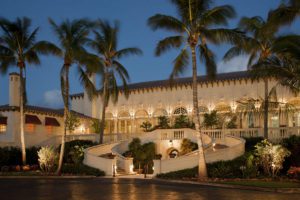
point(43, 86)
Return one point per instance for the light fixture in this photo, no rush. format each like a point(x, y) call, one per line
point(257, 104)
point(233, 106)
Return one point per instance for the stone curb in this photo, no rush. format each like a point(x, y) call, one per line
point(240, 187)
point(47, 177)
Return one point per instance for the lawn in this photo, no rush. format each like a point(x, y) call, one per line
point(265, 184)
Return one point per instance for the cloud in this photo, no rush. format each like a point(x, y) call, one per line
point(52, 98)
point(238, 63)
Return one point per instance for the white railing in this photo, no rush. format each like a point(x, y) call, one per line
point(274, 134)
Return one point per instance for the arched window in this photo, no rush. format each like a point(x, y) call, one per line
point(124, 114)
point(109, 115)
point(203, 109)
point(180, 111)
point(141, 114)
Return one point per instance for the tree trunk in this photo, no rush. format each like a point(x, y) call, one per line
point(102, 122)
point(202, 171)
point(66, 113)
point(266, 108)
point(22, 135)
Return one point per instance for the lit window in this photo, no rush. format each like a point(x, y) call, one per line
point(30, 128)
point(49, 129)
point(2, 128)
point(180, 111)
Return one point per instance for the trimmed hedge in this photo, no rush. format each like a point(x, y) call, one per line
point(13, 156)
point(81, 169)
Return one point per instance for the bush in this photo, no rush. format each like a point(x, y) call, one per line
point(182, 121)
point(70, 149)
point(48, 158)
point(251, 142)
point(180, 174)
point(241, 167)
point(13, 156)
point(81, 169)
point(270, 157)
point(293, 145)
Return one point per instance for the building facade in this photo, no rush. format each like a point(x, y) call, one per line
point(229, 94)
point(41, 124)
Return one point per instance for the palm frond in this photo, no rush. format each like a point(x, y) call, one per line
point(180, 64)
point(218, 15)
point(208, 57)
point(128, 51)
point(166, 22)
point(168, 43)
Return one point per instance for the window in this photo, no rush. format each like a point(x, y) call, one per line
point(250, 120)
point(275, 121)
point(49, 129)
point(180, 111)
point(30, 128)
point(2, 128)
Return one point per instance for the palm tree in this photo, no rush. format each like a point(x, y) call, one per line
point(194, 30)
point(72, 36)
point(259, 44)
point(106, 46)
point(18, 47)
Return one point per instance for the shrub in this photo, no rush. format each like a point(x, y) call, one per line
point(47, 159)
point(146, 126)
point(13, 156)
point(182, 121)
point(187, 146)
point(293, 145)
point(70, 148)
point(210, 119)
point(81, 169)
point(270, 157)
point(251, 142)
point(180, 174)
point(163, 122)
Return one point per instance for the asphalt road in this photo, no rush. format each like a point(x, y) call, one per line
point(123, 189)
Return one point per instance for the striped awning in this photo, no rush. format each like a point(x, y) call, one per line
point(32, 119)
point(50, 121)
point(3, 120)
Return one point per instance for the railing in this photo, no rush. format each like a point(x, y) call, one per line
point(274, 134)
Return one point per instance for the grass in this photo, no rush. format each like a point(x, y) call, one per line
point(263, 184)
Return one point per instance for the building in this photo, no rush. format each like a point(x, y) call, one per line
point(41, 124)
point(227, 94)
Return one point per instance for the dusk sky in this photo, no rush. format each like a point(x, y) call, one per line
point(43, 81)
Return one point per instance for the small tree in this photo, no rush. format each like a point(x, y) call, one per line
point(270, 157)
point(146, 126)
point(72, 122)
point(210, 119)
point(163, 122)
point(232, 123)
point(182, 121)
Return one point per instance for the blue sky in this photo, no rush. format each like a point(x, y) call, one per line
point(43, 81)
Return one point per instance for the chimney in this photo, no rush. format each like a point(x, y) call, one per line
point(14, 89)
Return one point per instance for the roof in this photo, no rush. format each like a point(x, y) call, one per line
point(42, 110)
point(184, 81)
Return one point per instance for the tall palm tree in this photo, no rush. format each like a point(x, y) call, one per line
point(194, 30)
point(106, 46)
point(73, 36)
point(18, 47)
point(259, 43)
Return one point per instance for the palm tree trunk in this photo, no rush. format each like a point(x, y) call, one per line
point(266, 108)
point(202, 171)
point(22, 134)
point(102, 122)
point(66, 113)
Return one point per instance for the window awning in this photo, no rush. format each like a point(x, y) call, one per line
point(32, 119)
point(50, 121)
point(3, 120)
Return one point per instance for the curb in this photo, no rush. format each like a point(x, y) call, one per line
point(240, 187)
point(48, 177)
